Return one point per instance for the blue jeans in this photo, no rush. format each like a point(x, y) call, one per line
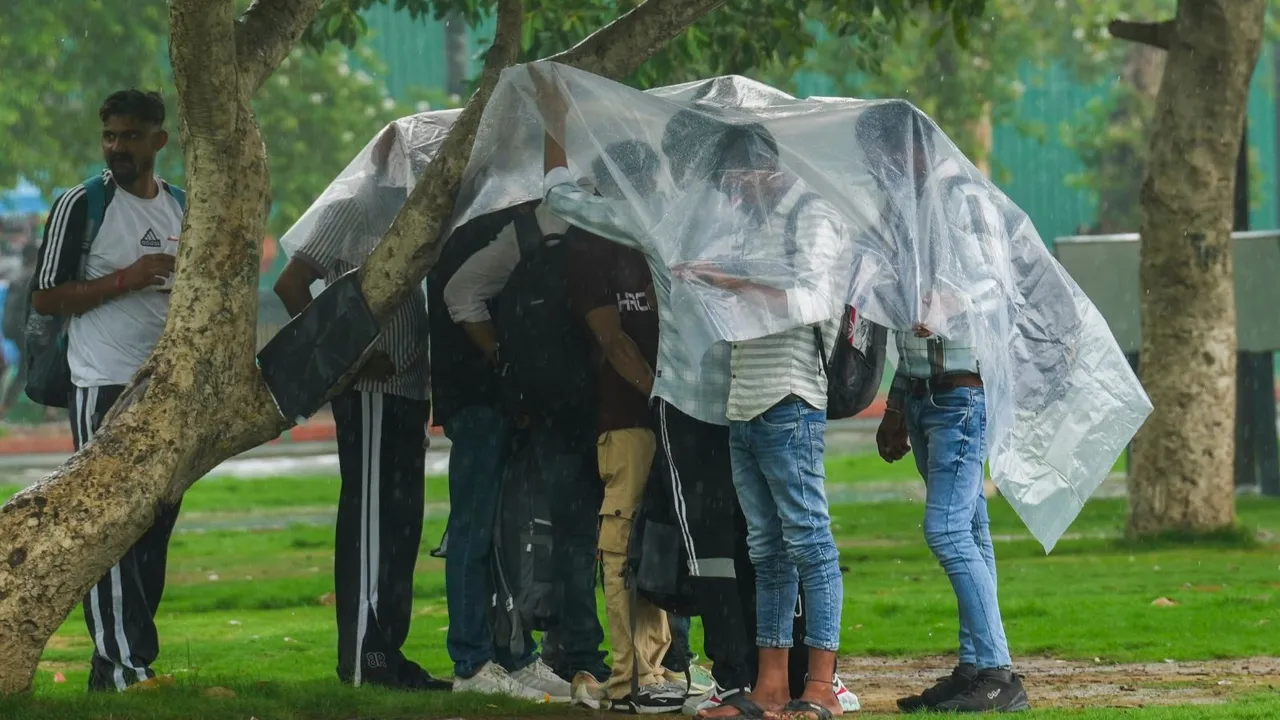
point(481, 438)
point(948, 434)
point(679, 655)
point(567, 458)
point(778, 473)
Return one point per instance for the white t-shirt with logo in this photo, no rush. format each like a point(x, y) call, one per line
point(108, 344)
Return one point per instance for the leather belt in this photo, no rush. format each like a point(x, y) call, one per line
point(943, 383)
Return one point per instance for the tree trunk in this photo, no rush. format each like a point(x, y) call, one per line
point(199, 399)
point(1183, 456)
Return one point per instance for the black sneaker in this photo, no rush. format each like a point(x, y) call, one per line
point(992, 691)
point(947, 688)
point(653, 700)
point(412, 678)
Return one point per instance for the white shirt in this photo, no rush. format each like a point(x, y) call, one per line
point(108, 344)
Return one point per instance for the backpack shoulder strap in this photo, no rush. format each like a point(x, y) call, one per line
point(789, 241)
point(793, 222)
point(528, 233)
point(178, 194)
point(95, 193)
point(98, 192)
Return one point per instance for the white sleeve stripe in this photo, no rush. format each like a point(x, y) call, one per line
point(57, 236)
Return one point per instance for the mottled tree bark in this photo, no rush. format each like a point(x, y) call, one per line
point(1181, 478)
point(199, 399)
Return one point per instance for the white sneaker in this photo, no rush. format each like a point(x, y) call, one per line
point(589, 692)
point(713, 698)
point(537, 676)
point(847, 699)
point(494, 680)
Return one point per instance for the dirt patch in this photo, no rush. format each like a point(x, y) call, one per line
point(879, 682)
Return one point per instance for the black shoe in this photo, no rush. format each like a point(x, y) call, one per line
point(947, 688)
point(410, 677)
point(992, 691)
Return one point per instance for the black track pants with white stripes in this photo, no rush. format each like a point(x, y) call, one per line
point(381, 451)
point(700, 484)
point(121, 609)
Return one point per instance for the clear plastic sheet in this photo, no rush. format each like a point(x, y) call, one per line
point(381, 175)
point(897, 222)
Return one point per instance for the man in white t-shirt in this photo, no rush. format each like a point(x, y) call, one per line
point(110, 284)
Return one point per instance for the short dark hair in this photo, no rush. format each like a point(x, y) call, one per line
point(884, 126)
point(747, 147)
point(635, 159)
point(146, 106)
point(687, 135)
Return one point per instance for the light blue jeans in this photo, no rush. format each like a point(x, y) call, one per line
point(778, 473)
point(948, 435)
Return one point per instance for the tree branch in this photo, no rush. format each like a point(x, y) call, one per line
point(265, 35)
point(617, 49)
point(202, 52)
point(412, 242)
point(1157, 35)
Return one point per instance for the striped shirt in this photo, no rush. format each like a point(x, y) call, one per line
point(974, 230)
point(349, 228)
point(767, 370)
point(697, 387)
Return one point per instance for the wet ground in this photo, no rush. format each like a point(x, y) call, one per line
point(285, 460)
point(1060, 683)
point(311, 459)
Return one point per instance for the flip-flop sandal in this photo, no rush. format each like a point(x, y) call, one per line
point(747, 710)
point(797, 709)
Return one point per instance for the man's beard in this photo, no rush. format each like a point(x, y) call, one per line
point(124, 170)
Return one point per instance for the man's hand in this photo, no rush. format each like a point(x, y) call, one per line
point(706, 273)
point(892, 439)
point(550, 100)
point(378, 368)
point(151, 270)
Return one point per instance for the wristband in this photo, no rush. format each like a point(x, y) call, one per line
point(120, 280)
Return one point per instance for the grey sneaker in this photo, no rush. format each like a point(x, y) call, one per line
point(589, 692)
point(537, 676)
point(493, 680)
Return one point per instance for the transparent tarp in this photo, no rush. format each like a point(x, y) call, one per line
point(377, 181)
point(894, 221)
point(812, 205)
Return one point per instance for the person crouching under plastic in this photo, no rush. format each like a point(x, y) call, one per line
point(937, 406)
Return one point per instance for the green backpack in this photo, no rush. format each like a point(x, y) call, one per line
point(48, 373)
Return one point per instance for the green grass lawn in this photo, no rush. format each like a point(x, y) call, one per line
point(248, 608)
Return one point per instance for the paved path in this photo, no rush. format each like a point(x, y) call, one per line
point(319, 456)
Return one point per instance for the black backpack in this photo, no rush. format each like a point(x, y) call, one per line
point(657, 560)
point(856, 365)
point(526, 595)
point(544, 352)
